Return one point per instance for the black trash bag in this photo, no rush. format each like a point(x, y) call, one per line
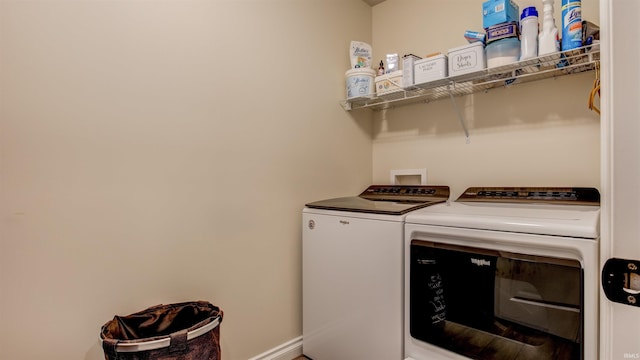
point(182, 331)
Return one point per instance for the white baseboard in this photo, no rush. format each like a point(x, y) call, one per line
point(287, 351)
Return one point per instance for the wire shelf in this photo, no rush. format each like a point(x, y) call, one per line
point(549, 66)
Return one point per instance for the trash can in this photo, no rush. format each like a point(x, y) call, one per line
point(181, 331)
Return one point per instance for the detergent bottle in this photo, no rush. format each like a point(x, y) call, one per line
point(529, 33)
point(548, 39)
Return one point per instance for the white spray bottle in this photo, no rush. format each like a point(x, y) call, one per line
point(548, 41)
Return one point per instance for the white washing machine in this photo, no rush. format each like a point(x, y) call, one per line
point(504, 273)
point(352, 272)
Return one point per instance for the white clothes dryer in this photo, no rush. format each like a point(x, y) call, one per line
point(352, 272)
point(504, 273)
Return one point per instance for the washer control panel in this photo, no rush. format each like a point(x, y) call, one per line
point(404, 192)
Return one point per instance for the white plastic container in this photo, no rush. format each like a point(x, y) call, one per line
point(503, 52)
point(529, 33)
point(388, 83)
point(430, 69)
point(408, 68)
point(466, 59)
point(548, 37)
point(360, 82)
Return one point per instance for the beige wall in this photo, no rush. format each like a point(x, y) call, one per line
point(155, 152)
point(535, 134)
point(161, 151)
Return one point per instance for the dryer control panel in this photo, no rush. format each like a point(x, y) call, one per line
point(547, 195)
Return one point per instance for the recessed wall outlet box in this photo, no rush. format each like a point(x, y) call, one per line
point(408, 177)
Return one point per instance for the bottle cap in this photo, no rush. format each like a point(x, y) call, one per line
point(529, 11)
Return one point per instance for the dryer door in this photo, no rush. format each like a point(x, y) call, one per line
point(486, 304)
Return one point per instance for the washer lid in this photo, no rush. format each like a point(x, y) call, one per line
point(538, 216)
point(387, 199)
point(358, 204)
